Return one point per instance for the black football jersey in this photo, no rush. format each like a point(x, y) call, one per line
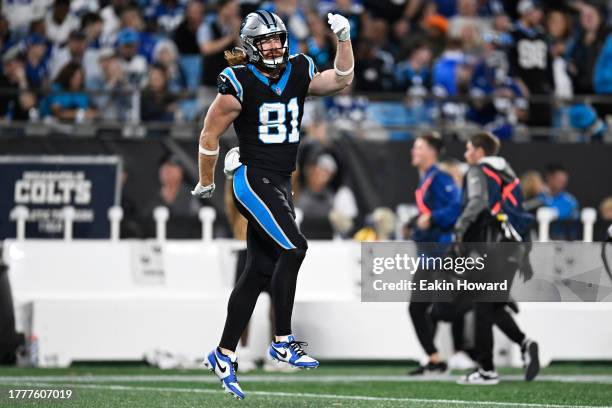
point(268, 127)
point(530, 60)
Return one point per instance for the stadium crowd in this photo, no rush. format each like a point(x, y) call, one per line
point(492, 63)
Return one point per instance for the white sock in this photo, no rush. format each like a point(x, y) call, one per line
point(231, 355)
point(280, 339)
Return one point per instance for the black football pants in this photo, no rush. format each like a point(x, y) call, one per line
point(275, 251)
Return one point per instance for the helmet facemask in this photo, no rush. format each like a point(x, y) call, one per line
point(271, 60)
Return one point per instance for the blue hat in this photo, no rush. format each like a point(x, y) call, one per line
point(582, 116)
point(127, 36)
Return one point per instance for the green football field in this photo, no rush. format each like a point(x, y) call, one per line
point(332, 385)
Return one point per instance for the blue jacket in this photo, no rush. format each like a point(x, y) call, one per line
point(602, 80)
point(443, 199)
point(565, 204)
point(445, 71)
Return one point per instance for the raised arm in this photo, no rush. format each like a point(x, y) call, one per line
point(334, 80)
point(221, 114)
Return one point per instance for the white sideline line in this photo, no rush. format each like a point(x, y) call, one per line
point(314, 395)
point(291, 378)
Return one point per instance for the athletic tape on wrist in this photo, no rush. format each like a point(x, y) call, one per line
point(344, 35)
point(344, 73)
point(207, 152)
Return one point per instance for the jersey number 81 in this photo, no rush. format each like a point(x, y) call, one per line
point(272, 122)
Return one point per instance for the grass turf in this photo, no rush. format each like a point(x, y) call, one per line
point(94, 386)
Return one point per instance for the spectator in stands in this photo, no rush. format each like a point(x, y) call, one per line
point(604, 221)
point(605, 210)
point(533, 188)
point(585, 47)
point(174, 194)
point(185, 35)
point(75, 51)
point(216, 35)
point(445, 69)
point(502, 25)
point(131, 19)
point(59, 23)
point(82, 7)
point(507, 106)
point(166, 55)
point(374, 72)
point(68, 101)
point(321, 205)
point(346, 111)
point(134, 65)
point(558, 27)
point(435, 28)
point(167, 14)
point(111, 16)
point(467, 25)
point(36, 55)
point(379, 226)
point(92, 26)
point(452, 74)
point(109, 86)
point(555, 196)
point(530, 62)
point(20, 14)
point(157, 103)
point(584, 119)
point(413, 75)
point(558, 31)
point(320, 45)
point(15, 101)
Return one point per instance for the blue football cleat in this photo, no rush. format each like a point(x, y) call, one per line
point(225, 367)
point(291, 352)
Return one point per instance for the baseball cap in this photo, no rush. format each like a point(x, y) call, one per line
point(127, 36)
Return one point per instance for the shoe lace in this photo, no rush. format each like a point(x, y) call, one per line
point(296, 346)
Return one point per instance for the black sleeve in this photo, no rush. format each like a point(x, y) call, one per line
point(311, 67)
point(227, 83)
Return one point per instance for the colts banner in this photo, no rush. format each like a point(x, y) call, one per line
point(47, 184)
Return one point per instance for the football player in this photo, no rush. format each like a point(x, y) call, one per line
point(262, 93)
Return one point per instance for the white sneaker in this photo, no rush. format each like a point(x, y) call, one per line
point(461, 361)
point(291, 352)
point(479, 377)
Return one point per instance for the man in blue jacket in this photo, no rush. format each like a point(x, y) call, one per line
point(566, 226)
point(439, 201)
